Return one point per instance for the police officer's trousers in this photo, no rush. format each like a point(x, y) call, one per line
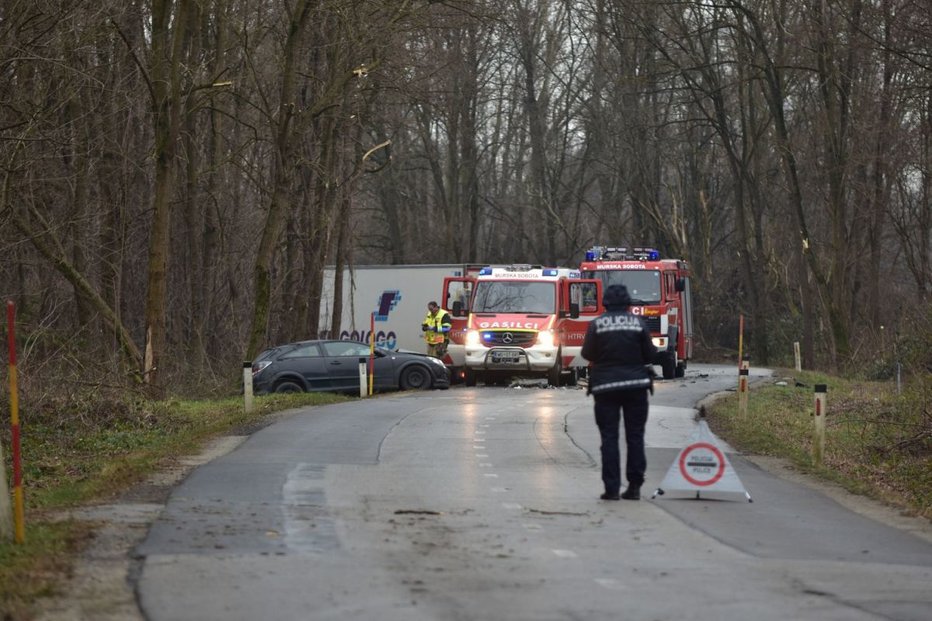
point(608, 407)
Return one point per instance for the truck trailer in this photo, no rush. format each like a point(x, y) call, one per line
point(395, 296)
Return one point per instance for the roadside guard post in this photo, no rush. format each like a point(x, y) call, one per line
point(247, 385)
point(19, 519)
point(6, 510)
point(818, 431)
point(371, 352)
point(797, 357)
point(743, 373)
point(362, 377)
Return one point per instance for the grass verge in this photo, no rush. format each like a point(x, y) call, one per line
point(85, 450)
point(877, 443)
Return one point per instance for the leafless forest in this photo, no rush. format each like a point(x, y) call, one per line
point(176, 173)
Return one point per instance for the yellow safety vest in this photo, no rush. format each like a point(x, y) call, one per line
point(434, 336)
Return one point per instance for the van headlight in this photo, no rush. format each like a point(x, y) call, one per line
point(472, 337)
point(545, 338)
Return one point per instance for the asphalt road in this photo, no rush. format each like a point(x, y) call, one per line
point(482, 503)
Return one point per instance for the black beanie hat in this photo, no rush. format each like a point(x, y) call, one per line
point(616, 298)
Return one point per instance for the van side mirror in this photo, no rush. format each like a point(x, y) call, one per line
point(458, 309)
point(574, 310)
point(681, 284)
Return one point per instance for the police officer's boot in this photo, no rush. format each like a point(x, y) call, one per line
point(632, 493)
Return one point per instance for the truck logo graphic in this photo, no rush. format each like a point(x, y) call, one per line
point(387, 302)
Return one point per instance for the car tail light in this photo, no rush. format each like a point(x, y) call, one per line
point(257, 367)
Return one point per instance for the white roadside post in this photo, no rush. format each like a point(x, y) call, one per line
point(247, 386)
point(797, 356)
point(743, 374)
point(818, 434)
point(363, 385)
point(6, 507)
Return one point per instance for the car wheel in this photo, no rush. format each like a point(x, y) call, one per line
point(288, 387)
point(415, 378)
point(680, 370)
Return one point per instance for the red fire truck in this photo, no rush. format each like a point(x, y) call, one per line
point(519, 320)
point(660, 292)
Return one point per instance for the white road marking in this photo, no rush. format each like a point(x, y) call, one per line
point(537, 527)
point(490, 475)
point(609, 583)
point(511, 505)
point(565, 553)
point(481, 455)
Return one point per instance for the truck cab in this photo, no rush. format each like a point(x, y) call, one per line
point(660, 293)
point(520, 320)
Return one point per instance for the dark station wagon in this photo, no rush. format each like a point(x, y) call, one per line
point(333, 366)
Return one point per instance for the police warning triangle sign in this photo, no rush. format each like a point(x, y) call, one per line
point(702, 469)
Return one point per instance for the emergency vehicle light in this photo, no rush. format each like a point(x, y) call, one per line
point(646, 254)
point(621, 253)
point(551, 272)
point(485, 271)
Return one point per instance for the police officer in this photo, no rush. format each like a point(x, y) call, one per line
point(619, 348)
point(436, 328)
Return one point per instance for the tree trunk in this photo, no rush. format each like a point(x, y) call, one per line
point(168, 37)
point(283, 176)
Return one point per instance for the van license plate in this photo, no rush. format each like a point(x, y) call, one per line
point(506, 357)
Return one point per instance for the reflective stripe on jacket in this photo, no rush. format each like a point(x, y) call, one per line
point(619, 346)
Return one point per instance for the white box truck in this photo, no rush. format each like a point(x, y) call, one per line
point(397, 294)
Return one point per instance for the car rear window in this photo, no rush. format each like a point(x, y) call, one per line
point(268, 353)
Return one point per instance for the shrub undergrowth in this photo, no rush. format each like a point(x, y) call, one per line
point(877, 442)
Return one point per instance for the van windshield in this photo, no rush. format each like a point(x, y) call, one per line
point(509, 296)
point(643, 285)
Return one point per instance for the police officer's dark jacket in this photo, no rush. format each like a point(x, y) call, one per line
point(619, 346)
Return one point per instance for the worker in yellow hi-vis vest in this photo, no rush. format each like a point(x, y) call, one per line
point(436, 327)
